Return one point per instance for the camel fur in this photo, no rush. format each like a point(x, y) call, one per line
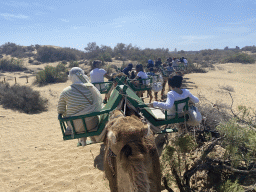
point(131, 158)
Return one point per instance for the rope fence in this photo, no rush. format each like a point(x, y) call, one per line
point(6, 80)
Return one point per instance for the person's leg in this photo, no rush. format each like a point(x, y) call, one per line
point(150, 95)
point(156, 96)
point(163, 89)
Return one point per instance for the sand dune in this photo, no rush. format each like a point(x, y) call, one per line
point(33, 156)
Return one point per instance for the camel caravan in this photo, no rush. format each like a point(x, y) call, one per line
point(123, 121)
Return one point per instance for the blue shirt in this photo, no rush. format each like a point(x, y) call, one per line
point(126, 71)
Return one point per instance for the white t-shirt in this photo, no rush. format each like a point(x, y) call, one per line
point(143, 75)
point(97, 76)
point(185, 61)
point(174, 96)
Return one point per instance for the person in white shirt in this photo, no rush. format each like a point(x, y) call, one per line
point(142, 75)
point(175, 63)
point(185, 63)
point(175, 94)
point(97, 75)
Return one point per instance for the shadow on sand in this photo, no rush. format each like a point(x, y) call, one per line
point(98, 161)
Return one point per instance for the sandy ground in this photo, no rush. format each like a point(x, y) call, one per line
point(33, 156)
point(213, 86)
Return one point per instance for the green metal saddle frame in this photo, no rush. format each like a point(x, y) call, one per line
point(104, 86)
point(140, 86)
point(113, 102)
point(119, 93)
point(137, 102)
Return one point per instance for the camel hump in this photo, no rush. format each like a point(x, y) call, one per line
point(129, 126)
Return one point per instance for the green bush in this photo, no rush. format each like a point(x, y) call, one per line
point(73, 64)
point(105, 57)
point(51, 54)
point(22, 98)
point(11, 65)
point(17, 50)
point(250, 48)
point(239, 58)
point(229, 186)
point(52, 75)
point(64, 62)
point(239, 142)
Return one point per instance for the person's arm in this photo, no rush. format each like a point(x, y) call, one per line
point(193, 98)
point(61, 108)
point(165, 105)
point(104, 73)
point(108, 76)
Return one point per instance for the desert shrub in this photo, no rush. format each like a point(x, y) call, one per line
point(22, 98)
point(64, 62)
point(105, 57)
point(36, 63)
point(194, 69)
point(239, 142)
point(51, 54)
point(94, 52)
point(73, 64)
point(239, 58)
point(227, 88)
point(247, 114)
point(230, 186)
point(52, 75)
point(30, 61)
point(17, 50)
point(250, 48)
point(9, 48)
point(174, 159)
point(37, 46)
point(11, 65)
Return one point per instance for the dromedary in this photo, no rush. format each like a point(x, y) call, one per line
point(131, 159)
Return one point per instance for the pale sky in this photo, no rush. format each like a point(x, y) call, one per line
point(185, 24)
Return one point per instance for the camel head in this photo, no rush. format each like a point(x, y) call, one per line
point(125, 135)
point(130, 140)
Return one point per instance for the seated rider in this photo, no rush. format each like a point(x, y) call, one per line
point(185, 62)
point(158, 63)
point(151, 72)
point(150, 64)
point(175, 94)
point(80, 98)
point(132, 76)
point(128, 69)
point(169, 68)
point(157, 81)
point(142, 75)
point(175, 62)
point(97, 76)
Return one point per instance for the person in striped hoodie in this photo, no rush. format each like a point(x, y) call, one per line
point(80, 98)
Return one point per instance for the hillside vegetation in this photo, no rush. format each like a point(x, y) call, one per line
point(123, 52)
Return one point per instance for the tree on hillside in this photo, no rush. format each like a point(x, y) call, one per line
point(93, 51)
